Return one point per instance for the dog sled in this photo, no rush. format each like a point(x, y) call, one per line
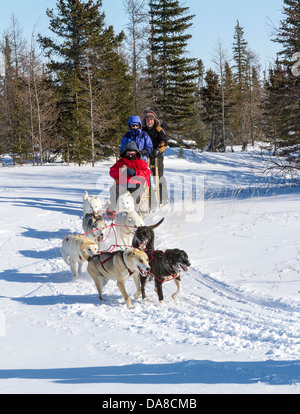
point(146, 198)
point(156, 182)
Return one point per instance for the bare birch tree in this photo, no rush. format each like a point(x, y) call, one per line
point(41, 103)
point(220, 60)
point(137, 41)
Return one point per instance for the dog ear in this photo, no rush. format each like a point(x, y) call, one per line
point(131, 252)
point(86, 244)
point(85, 195)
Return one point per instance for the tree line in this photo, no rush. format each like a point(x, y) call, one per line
point(69, 95)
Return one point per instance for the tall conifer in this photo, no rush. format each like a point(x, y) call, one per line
point(172, 74)
point(240, 57)
point(211, 96)
point(288, 35)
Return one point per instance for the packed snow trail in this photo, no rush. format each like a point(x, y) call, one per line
point(234, 329)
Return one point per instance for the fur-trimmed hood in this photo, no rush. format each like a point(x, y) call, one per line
point(156, 122)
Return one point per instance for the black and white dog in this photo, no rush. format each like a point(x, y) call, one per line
point(166, 266)
point(144, 237)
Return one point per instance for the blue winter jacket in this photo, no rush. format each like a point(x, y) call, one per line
point(141, 138)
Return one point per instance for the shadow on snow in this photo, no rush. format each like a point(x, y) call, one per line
point(190, 372)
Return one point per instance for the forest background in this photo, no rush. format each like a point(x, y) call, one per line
point(68, 95)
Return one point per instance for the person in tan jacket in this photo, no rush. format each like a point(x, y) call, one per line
point(151, 125)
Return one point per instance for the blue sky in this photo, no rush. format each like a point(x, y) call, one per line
point(215, 19)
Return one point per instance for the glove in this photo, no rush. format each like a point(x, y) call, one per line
point(144, 152)
point(162, 146)
point(155, 153)
point(131, 172)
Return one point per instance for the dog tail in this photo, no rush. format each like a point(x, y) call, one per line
point(154, 226)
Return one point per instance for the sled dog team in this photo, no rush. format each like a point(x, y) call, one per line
point(136, 257)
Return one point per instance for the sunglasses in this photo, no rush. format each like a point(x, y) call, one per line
point(134, 125)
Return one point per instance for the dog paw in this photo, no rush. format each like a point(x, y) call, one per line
point(175, 296)
point(129, 304)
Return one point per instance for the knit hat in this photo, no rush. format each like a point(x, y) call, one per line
point(149, 114)
point(130, 146)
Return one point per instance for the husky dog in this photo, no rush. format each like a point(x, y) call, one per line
point(119, 266)
point(95, 227)
point(77, 249)
point(91, 205)
point(126, 224)
point(125, 202)
point(144, 237)
point(166, 266)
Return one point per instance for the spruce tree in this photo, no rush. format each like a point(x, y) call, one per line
point(273, 111)
point(230, 94)
point(240, 57)
point(211, 96)
point(243, 100)
point(171, 73)
point(288, 35)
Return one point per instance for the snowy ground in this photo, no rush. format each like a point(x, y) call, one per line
point(235, 329)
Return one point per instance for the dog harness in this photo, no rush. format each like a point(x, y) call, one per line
point(110, 258)
point(151, 256)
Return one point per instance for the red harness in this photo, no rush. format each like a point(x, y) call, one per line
point(110, 258)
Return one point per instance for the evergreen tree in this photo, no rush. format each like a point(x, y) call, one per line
point(247, 94)
point(90, 77)
point(230, 93)
point(15, 119)
point(288, 35)
point(240, 71)
point(240, 57)
point(171, 74)
point(273, 111)
point(211, 96)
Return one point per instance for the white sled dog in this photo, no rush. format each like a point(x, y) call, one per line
point(119, 266)
point(125, 202)
point(95, 227)
point(77, 249)
point(91, 205)
point(127, 223)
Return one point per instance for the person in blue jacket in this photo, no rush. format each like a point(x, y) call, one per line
point(137, 135)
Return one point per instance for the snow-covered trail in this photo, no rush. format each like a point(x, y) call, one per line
point(234, 329)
